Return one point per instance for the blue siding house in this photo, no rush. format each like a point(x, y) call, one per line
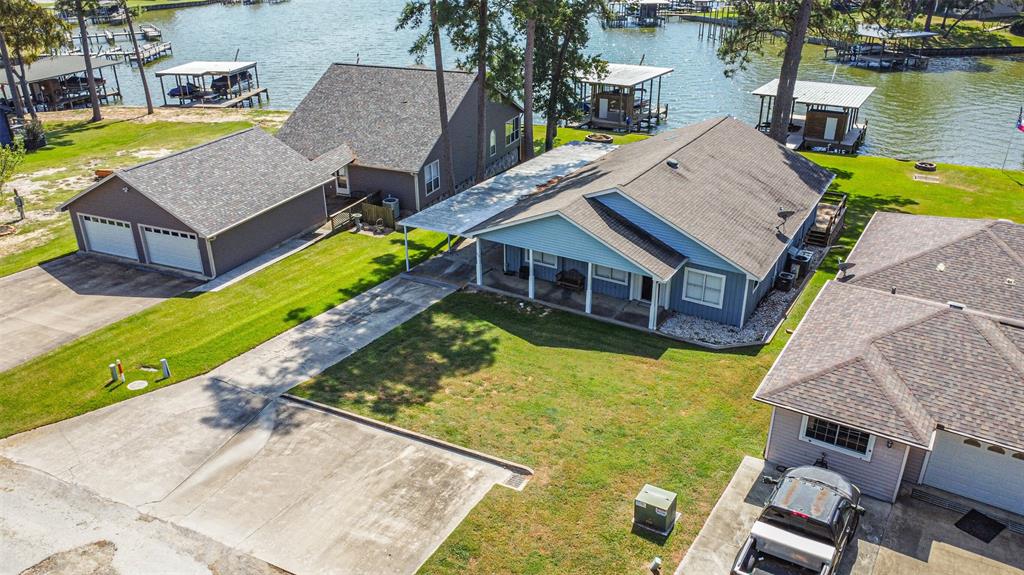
point(698, 221)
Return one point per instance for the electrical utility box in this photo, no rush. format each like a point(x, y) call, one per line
point(655, 509)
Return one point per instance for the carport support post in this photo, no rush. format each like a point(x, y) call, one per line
point(449, 242)
point(590, 285)
point(479, 263)
point(529, 254)
point(405, 230)
point(652, 320)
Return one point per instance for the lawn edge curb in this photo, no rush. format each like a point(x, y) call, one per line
point(504, 463)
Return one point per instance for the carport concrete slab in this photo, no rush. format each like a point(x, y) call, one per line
point(375, 501)
point(905, 538)
point(48, 305)
point(54, 527)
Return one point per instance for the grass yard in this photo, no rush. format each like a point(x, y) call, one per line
point(971, 33)
point(599, 410)
point(197, 332)
point(63, 168)
point(573, 135)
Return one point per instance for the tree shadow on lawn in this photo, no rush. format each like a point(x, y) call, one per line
point(385, 267)
point(405, 367)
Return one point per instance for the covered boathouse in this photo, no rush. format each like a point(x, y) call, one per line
point(830, 119)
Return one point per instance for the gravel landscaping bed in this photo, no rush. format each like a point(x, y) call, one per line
point(769, 313)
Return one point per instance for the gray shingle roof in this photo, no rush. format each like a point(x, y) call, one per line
point(387, 116)
point(726, 192)
point(901, 365)
point(217, 185)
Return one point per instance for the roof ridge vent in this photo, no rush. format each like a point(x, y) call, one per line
point(957, 305)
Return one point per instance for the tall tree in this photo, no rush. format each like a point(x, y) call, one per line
point(442, 101)
point(138, 55)
point(31, 32)
point(79, 9)
point(481, 99)
point(560, 58)
point(26, 31)
point(758, 23)
point(531, 36)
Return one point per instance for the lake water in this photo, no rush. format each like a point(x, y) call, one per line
point(958, 110)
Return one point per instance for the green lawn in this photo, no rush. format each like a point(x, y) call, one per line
point(599, 410)
point(573, 135)
point(968, 33)
point(197, 332)
point(63, 168)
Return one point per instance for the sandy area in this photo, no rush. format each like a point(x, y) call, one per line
point(263, 118)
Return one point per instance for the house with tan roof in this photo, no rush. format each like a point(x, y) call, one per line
point(909, 367)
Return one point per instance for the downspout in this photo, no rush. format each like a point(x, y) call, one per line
point(416, 189)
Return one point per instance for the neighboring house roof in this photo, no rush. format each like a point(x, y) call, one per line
point(218, 185)
point(902, 365)
point(387, 116)
point(727, 191)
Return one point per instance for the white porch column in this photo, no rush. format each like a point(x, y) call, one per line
point(405, 230)
point(529, 254)
point(652, 320)
point(590, 285)
point(449, 242)
point(479, 264)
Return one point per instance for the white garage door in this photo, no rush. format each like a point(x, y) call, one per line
point(108, 236)
point(980, 471)
point(172, 248)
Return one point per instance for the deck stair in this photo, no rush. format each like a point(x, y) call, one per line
point(829, 221)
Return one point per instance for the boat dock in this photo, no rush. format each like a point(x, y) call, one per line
point(231, 84)
point(144, 32)
point(149, 52)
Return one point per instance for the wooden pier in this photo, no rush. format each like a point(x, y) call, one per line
point(149, 52)
point(242, 100)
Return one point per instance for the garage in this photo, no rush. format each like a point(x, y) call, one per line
point(977, 470)
point(172, 248)
point(205, 210)
point(109, 236)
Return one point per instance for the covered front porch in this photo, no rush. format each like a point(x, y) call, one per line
point(572, 286)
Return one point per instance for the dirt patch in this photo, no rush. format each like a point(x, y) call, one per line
point(146, 154)
point(90, 559)
point(13, 243)
point(262, 118)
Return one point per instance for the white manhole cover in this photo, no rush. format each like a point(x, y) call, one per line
point(137, 384)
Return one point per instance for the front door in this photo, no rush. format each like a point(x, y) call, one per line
point(646, 288)
point(602, 108)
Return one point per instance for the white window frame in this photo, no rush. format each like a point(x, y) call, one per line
point(492, 143)
point(517, 126)
point(432, 185)
point(831, 446)
point(609, 278)
point(540, 262)
point(686, 281)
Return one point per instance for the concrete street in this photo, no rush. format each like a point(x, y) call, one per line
point(298, 487)
point(56, 302)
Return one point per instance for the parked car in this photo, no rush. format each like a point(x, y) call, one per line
point(808, 521)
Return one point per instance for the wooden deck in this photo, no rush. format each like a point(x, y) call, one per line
point(240, 100)
point(853, 139)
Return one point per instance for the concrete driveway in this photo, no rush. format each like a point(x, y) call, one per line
point(908, 537)
point(48, 305)
point(303, 488)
